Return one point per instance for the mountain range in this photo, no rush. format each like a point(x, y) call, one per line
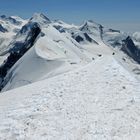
point(66, 81)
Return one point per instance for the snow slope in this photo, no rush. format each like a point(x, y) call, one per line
point(44, 58)
point(98, 101)
point(57, 48)
point(75, 83)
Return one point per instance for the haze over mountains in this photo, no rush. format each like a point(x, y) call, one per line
point(74, 74)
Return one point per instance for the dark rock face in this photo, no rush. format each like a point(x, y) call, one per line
point(18, 50)
point(2, 29)
point(3, 16)
point(131, 49)
point(83, 37)
point(101, 31)
point(79, 38)
point(88, 38)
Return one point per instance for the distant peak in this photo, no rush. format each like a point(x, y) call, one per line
point(41, 18)
point(12, 19)
point(59, 21)
point(91, 23)
point(3, 16)
point(17, 18)
point(39, 15)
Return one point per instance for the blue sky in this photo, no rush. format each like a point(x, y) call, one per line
point(120, 14)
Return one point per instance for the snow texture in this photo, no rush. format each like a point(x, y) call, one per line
point(74, 83)
point(99, 101)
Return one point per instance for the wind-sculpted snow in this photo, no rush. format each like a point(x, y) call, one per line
point(45, 58)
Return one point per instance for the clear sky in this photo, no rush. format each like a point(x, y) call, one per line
point(120, 14)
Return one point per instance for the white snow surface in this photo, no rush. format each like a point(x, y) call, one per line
point(51, 52)
point(76, 92)
point(56, 52)
point(98, 101)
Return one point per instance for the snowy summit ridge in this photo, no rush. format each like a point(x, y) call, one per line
point(58, 41)
point(40, 18)
point(62, 81)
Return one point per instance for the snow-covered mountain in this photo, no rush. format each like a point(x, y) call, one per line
point(68, 81)
point(43, 48)
point(98, 101)
point(9, 26)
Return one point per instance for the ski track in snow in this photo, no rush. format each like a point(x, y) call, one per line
point(98, 102)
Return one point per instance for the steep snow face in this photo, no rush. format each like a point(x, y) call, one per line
point(51, 50)
point(21, 43)
point(98, 101)
point(19, 48)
